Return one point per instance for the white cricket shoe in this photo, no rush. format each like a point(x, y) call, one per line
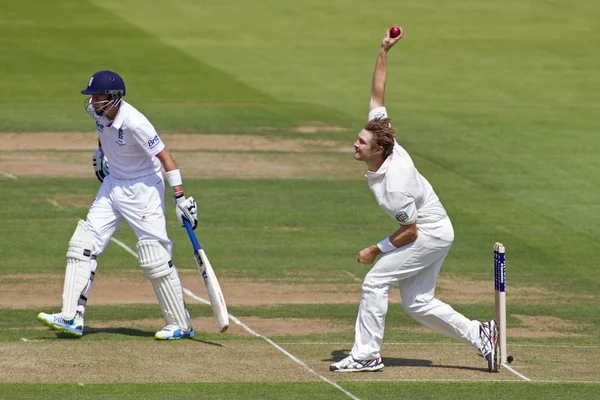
point(349, 364)
point(488, 337)
point(56, 321)
point(173, 332)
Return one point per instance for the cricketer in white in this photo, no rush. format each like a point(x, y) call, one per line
point(132, 190)
point(412, 255)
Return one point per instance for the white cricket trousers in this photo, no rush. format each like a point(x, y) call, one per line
point(415, 267)
point(138, 201)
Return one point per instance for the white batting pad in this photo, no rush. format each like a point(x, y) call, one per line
point(177, 283)
point(156, 263)
point(154, 259)
point(78, 270)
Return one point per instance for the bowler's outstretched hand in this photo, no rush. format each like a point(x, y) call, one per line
point(389, 41)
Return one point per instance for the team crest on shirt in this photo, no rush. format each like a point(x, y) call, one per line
point(402, 217)
point(120, 138)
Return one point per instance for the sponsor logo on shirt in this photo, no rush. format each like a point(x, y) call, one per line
point(99, 127)
point(153, 142)
point(402, 217)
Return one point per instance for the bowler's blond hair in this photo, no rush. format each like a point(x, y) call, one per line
point(382, 135)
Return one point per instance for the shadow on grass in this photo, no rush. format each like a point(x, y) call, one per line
point(338, 355)
point(118, 331)
point(127, 332)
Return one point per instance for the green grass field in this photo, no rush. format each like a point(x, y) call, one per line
point(497, 103)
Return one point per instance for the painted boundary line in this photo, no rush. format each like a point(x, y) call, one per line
point(254, 333)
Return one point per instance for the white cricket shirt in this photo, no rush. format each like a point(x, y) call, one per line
point(130, 143)
point(400, 190)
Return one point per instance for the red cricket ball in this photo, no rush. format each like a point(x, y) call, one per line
point(394, 31)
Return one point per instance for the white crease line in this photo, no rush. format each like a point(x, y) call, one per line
point(567, 346)
point(53, 202)
point(516, 373)
point(386, 343)
point(252, 332)
point(559, 381)
point(468, 380)
point(200, 299)
point(438, 380)
point(575, 346)
point(281, 349)
point(6, 174)
point(357, 279)
point(124, 246)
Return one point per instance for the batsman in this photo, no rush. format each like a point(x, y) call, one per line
point(413, 254)
point(132, 190)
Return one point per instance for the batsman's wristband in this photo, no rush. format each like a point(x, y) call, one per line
point(174, 178)
point(386, 245)
point(178, 195)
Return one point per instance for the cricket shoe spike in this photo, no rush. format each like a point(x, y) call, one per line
point(56, 321)
point(173, 332)
point(488, 337)
point(349, 364)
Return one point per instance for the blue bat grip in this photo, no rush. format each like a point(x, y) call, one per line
point(192, 235)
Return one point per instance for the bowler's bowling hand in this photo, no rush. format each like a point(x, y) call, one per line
point(391, 37)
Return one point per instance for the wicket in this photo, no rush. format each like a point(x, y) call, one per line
point(500, 291)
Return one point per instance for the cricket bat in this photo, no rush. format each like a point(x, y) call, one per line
point(215, 295)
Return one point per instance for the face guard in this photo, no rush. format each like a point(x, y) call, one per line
point(113, 101)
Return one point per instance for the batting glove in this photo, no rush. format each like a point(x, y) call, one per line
point(100, 164)
point(186, 208)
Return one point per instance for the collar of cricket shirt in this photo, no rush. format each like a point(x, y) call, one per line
point(120, 117)
point(381, 171)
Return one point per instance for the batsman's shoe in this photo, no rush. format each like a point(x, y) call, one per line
point(56, 321)
point(172, 332)
point(349, 364)
point(488, 336)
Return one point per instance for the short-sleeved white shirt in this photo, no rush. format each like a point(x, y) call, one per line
point(130, 143)
point(400, 190)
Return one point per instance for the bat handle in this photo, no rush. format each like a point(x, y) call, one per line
point(191, 234)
